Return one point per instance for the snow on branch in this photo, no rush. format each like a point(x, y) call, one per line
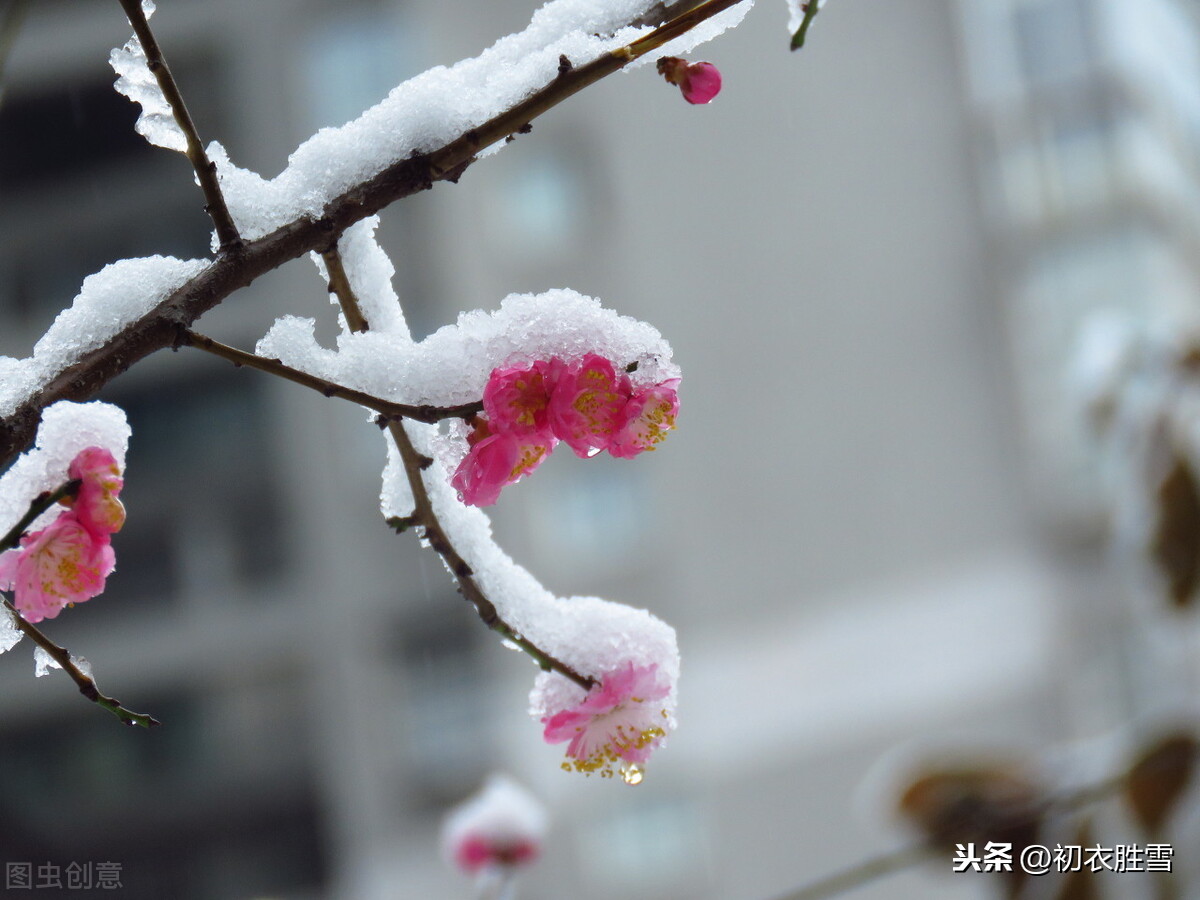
point(376, 160)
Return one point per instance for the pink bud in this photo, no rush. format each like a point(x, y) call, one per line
point(699, 82)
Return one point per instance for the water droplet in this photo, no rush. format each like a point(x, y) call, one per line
point(633, 774)
point(510, 644)
point(592, 451)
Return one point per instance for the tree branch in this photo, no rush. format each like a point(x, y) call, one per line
point(811, 8)
point(206, 172)
point(420, 412)
point(87, 686)
point(425, 516)
point(861, 873)
point(339, 286)
point(160, 327)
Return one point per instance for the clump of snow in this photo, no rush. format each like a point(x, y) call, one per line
point(452, 365)
point(135, 80)
point(10, 634)
point(591, 635)
point(702, 33)
point(65, 430)
point(43, 662)
point(439, 105)
point(117, 295)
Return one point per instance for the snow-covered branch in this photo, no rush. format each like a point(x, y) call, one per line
point(144, 50)
point(75, 369)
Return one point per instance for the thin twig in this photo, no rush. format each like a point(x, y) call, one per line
point(420, 412)
point(159, 328)
point(426, 517)
point(206, 171)
point(424, 514)
point(811, 8)
point(339, 286)
point(861, 873)
point(87, 686)
point(37, 506)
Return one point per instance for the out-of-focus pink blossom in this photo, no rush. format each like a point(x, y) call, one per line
point(516, 399)
point(475, 851)
point(495, 460)
point(587, 404)
point(97, 506)
point(500, 827)
point(619, 723)
point(698, 82)
point(63, 563)
point(648, 416)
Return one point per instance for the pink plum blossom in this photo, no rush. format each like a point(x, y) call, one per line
point(698, 82)
point(475, 851)
point(516, 400)
point(648, 416)
point(97, 506)
point(494, 461)
point(62, 564)
point(587, 404)
point(619, 723)
point(501, 827)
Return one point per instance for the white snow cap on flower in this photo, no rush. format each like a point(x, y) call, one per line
point(502, 825)
point(66, 429)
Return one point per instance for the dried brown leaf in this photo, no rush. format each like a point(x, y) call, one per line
point(1175, 546)
point(1158, 778)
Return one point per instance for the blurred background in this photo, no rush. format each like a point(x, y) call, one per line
point(879, 527)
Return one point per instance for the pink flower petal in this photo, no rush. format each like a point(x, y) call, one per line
point(62, 564)
point(648, 416)
point(516, 399)
point(495, 461)
point(619, 723)
point(96, 505)
point(587, 404)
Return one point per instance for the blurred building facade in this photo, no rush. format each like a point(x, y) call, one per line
point(875, 528)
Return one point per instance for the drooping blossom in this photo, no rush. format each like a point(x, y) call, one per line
point(698, 82)
point(618, 724)
point(587, 404)
point(502, 826)
point(648, 416)
point(517, 399)
point(97, 505)
point(68, 561)
point(63, 563)
point(495, 460)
